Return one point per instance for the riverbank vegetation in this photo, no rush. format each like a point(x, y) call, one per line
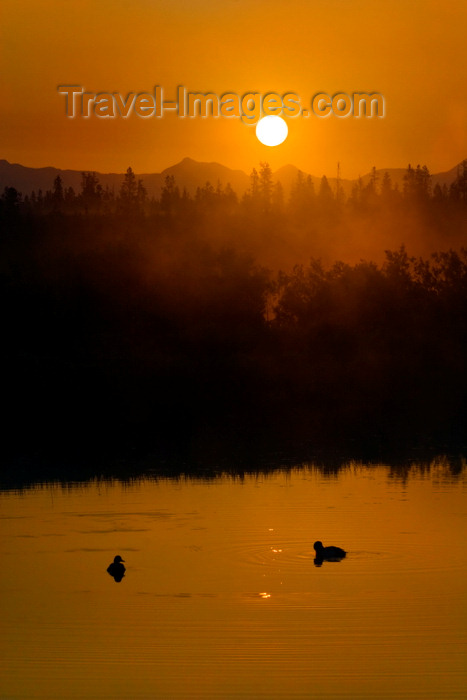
point(206, 325)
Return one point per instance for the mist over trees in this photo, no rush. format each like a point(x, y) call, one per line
point(278, 230)
point(196, 322)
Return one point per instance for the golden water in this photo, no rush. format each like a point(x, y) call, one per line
point(221, 597)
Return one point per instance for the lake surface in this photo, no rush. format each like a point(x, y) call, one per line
point(221, 597)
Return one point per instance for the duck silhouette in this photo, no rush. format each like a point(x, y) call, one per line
point(327, 553)
point(116, 568)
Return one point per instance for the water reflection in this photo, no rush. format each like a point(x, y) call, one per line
point(130, 471)
point(116, 569)
point(212, 594)
point(318, 561)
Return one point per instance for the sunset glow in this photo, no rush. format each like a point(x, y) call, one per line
point(233, 285)
point(412, 54)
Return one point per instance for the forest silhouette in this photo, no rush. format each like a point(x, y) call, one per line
point(203, 325)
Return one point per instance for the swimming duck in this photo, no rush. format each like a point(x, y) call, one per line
point(328, 552)
point(116, 569)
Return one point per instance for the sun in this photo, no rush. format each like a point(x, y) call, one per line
point(271, 130)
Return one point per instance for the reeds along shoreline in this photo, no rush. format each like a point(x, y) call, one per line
point(129, 334)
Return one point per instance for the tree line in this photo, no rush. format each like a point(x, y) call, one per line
point(126, 337)
point(263, 195)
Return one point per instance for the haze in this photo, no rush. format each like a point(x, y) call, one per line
point(412, 53)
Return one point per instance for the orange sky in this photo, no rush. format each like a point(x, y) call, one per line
point(413, 53)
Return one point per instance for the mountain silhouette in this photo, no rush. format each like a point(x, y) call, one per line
point(287, 175)
point(191, 174)
point(188, 174)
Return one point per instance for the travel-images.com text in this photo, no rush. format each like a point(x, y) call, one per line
point(249, 107)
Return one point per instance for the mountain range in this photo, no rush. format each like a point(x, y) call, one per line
point(188, 174)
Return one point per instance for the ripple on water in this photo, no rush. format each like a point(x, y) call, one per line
point(295, 556)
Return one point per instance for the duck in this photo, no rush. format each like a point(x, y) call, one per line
point(328, 552)
point(117, 569)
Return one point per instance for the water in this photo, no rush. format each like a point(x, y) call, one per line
point(221, 597)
